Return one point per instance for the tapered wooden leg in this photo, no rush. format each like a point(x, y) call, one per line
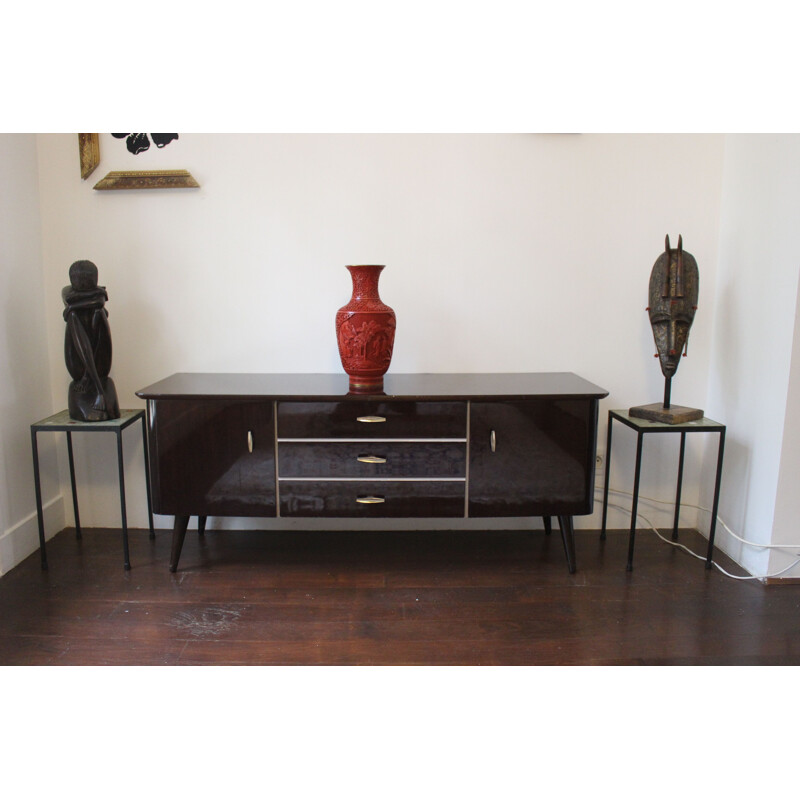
point(548, 528)
point(178, 535)
point(568, 535)
point(201, 525)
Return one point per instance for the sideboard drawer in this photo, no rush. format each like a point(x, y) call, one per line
point(372, 459)
point(372, 420)
point(372, 498)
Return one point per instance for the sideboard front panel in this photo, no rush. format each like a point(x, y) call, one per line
point(213, 457)
point(533, 458)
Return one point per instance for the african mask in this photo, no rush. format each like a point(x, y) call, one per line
point(674, 287)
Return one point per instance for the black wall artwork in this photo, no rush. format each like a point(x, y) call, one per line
point(140, 142)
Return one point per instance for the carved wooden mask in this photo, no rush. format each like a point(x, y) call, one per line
point(674, 289)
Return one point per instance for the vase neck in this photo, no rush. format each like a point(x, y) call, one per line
point(365, 281)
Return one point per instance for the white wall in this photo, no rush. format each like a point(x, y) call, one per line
point(754, 327)
point(520, 252)
point(25, 392)
point(786, 529)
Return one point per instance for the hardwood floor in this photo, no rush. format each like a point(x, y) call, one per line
point(410, 598)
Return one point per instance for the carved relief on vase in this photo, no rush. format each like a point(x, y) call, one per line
point(369, 341)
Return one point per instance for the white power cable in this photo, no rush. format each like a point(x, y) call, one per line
point(683, 547)
point(719, 520)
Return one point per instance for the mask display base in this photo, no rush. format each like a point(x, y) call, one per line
point(671, 415)
point(665, 412)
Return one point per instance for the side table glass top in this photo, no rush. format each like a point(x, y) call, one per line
point(62, 422)
point(704, 424)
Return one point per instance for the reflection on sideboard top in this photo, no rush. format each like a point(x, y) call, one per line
point(335, 386)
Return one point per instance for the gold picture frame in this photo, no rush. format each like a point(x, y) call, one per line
point(89, 152)
point(148, 179)
point(89, 149)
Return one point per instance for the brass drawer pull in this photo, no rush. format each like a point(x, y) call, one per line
point(371, 459)
point(371, 419)
point(370, 499)
point(493, 441)
point(249, 441)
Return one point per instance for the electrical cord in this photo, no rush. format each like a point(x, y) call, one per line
point(719, 520)
point(683, 547)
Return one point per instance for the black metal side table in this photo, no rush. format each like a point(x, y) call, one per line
point(62, 422)
point(643, 426)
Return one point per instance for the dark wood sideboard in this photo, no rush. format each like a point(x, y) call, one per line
point(431, 445)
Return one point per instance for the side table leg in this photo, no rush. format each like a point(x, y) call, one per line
point(548, 526)
point(78, 534)
point(38, 488)
point(680, 486)
point(146, 455)
point(568, 535)
point(635, 506)
point(608, 472)
point(178, 535)
point(201, 525)
point(715, 508)
point(122, 502)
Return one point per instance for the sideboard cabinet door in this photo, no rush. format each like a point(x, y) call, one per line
point(212, 457)
point(533, 458)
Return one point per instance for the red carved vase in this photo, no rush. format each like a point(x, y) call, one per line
point(365, 331)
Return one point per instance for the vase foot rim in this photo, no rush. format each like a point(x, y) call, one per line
point(366, 386)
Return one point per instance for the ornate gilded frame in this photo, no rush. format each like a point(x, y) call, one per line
point(89, 148)
point(89, 151)
point(148, 179)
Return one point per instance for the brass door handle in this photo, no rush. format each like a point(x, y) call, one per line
point(249, 441)
point(371, 459)
point(370, 499)
point(369, 418)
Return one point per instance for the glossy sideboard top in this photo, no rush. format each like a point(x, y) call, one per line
point(335, 386)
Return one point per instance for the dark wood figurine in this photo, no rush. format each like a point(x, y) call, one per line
point(674, 289)
point(92, 396)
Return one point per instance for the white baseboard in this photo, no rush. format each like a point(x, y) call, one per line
point(19, 541)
